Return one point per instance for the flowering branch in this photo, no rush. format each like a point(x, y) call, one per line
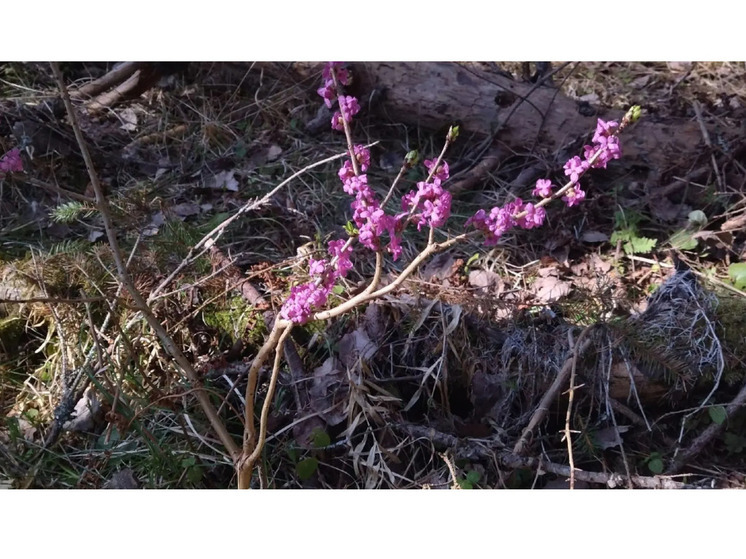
point(429, 205)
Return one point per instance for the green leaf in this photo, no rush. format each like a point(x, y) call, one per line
point(338, 289)
point(31, 414)
point(306, 468)
point(637, 245)
point(698, 218)
point(473, 476)
point(683, 240)
point(655, 466)
point(737, 274)
point(465, 484)
point(718, 414)
point(194, 475)
point(734, 443)
point(320, 438)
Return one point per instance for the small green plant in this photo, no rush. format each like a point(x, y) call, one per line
point(655, 463)
point(471, 480)
point(737, 274)
point(626, 231)
point(71, 212)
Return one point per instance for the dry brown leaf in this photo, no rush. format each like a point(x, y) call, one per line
point(550, 288)
point(355, 346)
point(328, 391)
point(484, 279)
point(594, 237)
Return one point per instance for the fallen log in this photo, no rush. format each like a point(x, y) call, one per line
point(434, 95)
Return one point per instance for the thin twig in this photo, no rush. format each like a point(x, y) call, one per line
point(247, 463)
point(124, 278)
point(480, 449)
point(543, 408)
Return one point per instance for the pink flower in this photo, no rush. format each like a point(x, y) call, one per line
point(343, 75)
point(575, 167)
point(429, 204)
point(363, 157)
point(346, 172)
point(349, 107)
point(328, 93)
point(337, 122)
point(574, 196)
point(302, 301)
point(343, 264)
point(534, 217)
point(604, 130)
point(354, 185)
point(11, 161)
point(316, 267)
point(543, 188)
point(441, 173)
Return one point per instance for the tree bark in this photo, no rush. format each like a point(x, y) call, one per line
point(435, 95)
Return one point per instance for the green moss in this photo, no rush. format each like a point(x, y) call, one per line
point(231, 318)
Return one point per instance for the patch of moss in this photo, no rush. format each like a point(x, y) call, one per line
point(231, 318)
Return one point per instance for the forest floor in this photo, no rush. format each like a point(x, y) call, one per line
point(435, 384)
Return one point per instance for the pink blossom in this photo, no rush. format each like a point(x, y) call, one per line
point(353, 185)
point(441, 173)
point(343, 75)
point(302, 301)
point(337, 250)
point(346, 172)
point(543, 188)
point(574, 196)
point(534, 217)
point(429, 204)
point(11, 161)
point(316, 267)
point(575, 167)
point(349, 107)
point(362, 154)
point(328, 93)
point(337, 122)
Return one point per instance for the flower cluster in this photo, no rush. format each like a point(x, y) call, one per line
point(499, 220)
point(430, 204)
point(348, 106)
point(11, 162)
point(517, 214)
point(305, 298)
point(369, 218)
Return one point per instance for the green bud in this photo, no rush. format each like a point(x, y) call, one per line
point(412, 158)
point(452, 134)
point(633, 114)
point(350, 229)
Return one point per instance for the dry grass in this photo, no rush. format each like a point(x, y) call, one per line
point(442, 353)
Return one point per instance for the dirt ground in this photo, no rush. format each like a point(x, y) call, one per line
point(604, 349)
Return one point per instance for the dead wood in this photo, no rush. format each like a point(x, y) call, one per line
point(434, 95)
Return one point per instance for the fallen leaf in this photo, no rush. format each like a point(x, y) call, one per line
point(609, 437)
point(273, 152)
point(186, 209)
point(222, 181)
point(483, 279)
point(129, 120)
point(123, 479)
point(355, 346)
point(440, 267)
point(550, 289)
point(594, 237)
point(329, 391)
